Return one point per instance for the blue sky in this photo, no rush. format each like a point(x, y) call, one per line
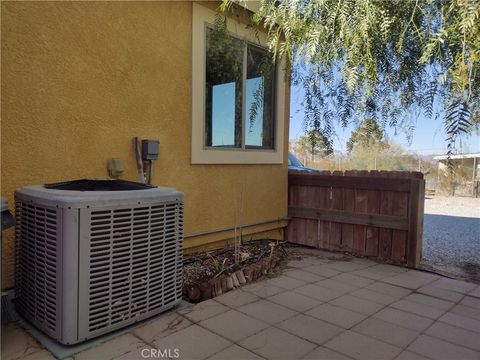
point(428, 137)
point(223, 114)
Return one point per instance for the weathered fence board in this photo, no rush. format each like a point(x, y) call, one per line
point(377, 214)
point(336, 225)
point(385, 235)
point(350, 217)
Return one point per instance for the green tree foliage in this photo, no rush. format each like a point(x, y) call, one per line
point(313, 143)
point(367, 135)
point(380, 156)
point(455, 179)
point(380, 59)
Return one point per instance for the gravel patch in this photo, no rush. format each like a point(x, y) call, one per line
point(451, 236)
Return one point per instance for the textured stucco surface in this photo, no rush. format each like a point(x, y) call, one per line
point(80, 80)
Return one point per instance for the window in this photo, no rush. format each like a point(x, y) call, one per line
point(238, 93)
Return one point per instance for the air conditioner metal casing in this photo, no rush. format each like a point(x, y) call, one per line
point(91, 262)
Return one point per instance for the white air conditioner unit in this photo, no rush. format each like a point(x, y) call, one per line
point(96, 255)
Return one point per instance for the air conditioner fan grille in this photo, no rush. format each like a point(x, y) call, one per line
point(135, 262)
point(36, 265)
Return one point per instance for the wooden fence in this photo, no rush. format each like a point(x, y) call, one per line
point(376, 214)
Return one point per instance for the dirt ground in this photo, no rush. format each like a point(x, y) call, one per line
point(451, 236)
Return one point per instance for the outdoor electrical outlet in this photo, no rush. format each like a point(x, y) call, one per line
point(115, 167)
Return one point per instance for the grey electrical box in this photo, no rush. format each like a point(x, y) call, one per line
point(150, 149)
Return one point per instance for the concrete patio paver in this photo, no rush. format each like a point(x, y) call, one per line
point(388, 289)
point(364, 261)
point(362, 347)
point(294, 301)
point(441, 350)
point(237, 298)
point(318, 292)
point(475, 292)
point(362, 306)
point(263, 289)
point(353, 280)
point(267, 311)
point(389, 268)
point(234, 325)
point(39, 355)
point(134, 355)
point(161, 327)
point(323, 353)
point(317, 309)
point(309, 328)
point(336, 315)
point(322, 270)
point(119, 346)
point(403, 318)
point(306, 276)
point(408, 355)
point(306, 260)
point(418, 308)
point(16, 342)
point(379, 298)
point(430, 301)
point(411, 279)
point(454, 285)
point(387, 332)
point(273, 343)
point(301, 263)
point(455, 335)
point(193, 342)
point(376, 272)
point(204, 310)
point(466, 311)
point(441, 293)
point(344, 266)
point(461, 321)
point(471, 301)
point(336, 285)
point(235, 352)
point(286, 282)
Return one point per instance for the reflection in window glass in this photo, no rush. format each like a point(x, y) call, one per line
point(223, 90)
point(254, 127)
point(223, 115)
point(259, 98)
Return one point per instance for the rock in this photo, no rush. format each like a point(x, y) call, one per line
point(218, 287)
point(240, 277)
point(194, 293)
point(229, 281)
point(235, 281)
point(206, 290)
point(248, 273)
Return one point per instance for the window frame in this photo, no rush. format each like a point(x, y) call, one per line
point(203, 19)
point(244, 147)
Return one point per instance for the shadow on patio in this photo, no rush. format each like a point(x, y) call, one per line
point(322, 306)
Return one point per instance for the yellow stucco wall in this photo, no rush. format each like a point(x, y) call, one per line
point(80, 80)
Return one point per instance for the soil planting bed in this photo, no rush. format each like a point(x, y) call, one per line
point(210, 274)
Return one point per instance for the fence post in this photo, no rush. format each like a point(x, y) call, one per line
point(415, 219)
